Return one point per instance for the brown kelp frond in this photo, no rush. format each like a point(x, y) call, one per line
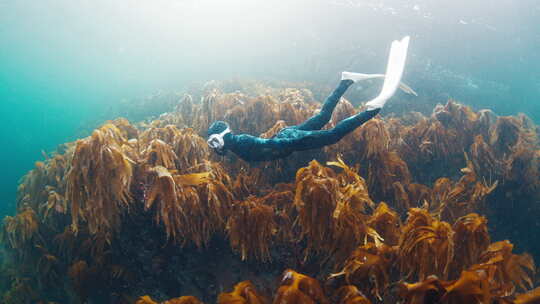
point(531, 297)
point(439, 142)
point(298, 288)
point(216, 193)
point(369, 267)
point(483, 158)
point(429, 290)
point(294, 112)
point(282, 200)
point(190, 148)
point(99, 180)
point(508, 270)
point(20, 230)
point(243, 293)
point(185, 109)
point(523, 168)
point(274, 130)
point(146, 300)
point(59, 163)
point(418, 193)
point(248, 183)
point(128, 130)
point(471, 238)
point(374, 139)
point(410, 195)
point(429, 141)
point(239, 110)
point(402, 202)
point(456, 116)
point(159, 153)
point(331, 207)
point(475, 286)
point(255, 116)
point(293, 95)
point(80, 276)
point(505, 134)
point(316, 199)
point(217, 172)
point(192, 179)
point(56, 203)
point(180, 300)
point(486, 120)
point(471, 287)
point(66, 242)
point(384, 171)
point(426, 246)
point(344, 109)
point(22, 291)
point(192, 206)
point(253, 216)
point(245, 114)
point(353, 187)
point(408, 139)
point(94, 246)
point(48, 267)
point(350, 231)
point(441, 190)
point(387, 224)
point(417, 217)
point(177, 201)
point(183, 300)
point(36, 186)
point(351, 295)
point(165, 134)
point(451, 201)
point(208, 111)
point(163, 190)
point(30, 192)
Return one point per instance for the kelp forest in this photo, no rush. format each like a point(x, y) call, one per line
point(410, 208)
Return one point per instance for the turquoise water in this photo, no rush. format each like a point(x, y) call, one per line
point(65, 64)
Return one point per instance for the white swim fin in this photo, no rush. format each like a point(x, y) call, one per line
point(394, 71)
point(359, 77)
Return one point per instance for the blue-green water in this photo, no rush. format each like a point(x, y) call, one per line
point(65, 64)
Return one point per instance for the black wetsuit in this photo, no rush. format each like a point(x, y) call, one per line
point(305, 136)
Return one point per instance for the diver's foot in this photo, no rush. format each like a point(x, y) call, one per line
point(358, 76)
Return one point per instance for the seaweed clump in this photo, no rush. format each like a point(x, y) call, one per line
point(137, 212)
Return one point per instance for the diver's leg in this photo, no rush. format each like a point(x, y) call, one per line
point(350, 124)
point(318, 121)
point(321, 138)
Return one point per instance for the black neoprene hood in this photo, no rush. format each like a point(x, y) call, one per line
point(217, 127)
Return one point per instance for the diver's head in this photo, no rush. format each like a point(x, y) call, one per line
point(216, 132)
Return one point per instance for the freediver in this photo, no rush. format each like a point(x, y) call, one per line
point(309, 135)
